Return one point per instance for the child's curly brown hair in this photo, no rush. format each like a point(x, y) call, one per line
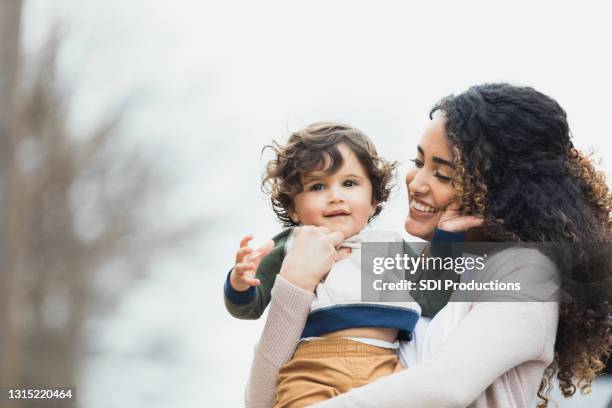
point(316, 148)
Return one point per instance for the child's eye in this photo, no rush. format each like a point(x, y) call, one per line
point(317, 187)
point(417, 163)
point(349, 183)
point(442, 177)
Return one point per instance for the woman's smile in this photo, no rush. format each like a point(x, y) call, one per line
point(421, 212)
point(422, 207)
point(428, 182)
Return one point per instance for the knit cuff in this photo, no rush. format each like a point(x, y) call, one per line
point(289, 309)
point(237, 297)
point(448, 236)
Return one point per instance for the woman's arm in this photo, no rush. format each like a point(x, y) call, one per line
point(493, 338)
point(310, 258)
point(287, 315)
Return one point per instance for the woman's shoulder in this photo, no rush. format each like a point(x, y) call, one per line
point(515, 259)
point(521, 274)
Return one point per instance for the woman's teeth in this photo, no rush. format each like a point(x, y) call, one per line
point(422, 207)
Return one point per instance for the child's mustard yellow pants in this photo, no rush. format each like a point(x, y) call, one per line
point(322, 369)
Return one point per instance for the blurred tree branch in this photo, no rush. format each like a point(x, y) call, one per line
point(69, 206)
point(10, 17)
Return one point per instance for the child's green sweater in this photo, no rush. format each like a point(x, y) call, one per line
point(250, 304)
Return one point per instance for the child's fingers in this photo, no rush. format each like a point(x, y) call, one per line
point(245, 241)
point(242, 252)
point(262, 251)
point(267, 247)
point(243, 267)
point(252, 281)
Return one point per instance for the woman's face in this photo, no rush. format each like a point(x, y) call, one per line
point(429, 181)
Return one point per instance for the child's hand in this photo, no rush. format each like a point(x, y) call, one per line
point(247, 261)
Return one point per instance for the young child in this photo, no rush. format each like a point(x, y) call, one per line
point(328, 174)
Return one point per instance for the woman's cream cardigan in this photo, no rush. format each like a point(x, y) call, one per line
point(494, 357)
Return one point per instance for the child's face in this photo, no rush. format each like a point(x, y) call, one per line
point(341, 201)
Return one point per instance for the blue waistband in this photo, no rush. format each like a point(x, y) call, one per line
point(339, 317)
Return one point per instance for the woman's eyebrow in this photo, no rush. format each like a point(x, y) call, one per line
point(436, 159)
point(442, 161)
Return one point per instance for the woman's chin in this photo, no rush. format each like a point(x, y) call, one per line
point(418, 229)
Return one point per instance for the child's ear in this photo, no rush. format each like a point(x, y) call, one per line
point(293, 215)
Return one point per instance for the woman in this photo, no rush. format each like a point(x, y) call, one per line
point(504, 153)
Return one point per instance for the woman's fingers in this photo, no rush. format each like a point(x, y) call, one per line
point(466, 222)
point(324, 230)
point(343, 253)
point(473, 221)
point(311, 256)
point(461, 223)
point(336, 238)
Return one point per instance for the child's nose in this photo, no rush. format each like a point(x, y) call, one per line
point(335, 195)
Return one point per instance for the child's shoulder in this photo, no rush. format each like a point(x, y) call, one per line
point(283, 235)
point(282, 240)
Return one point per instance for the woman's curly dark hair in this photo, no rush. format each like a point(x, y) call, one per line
point(516, 166)
point(316, 148)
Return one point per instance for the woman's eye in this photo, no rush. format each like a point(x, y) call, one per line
point(417, 163)
point(349, 183)
point(443, 178)
point(317, 187)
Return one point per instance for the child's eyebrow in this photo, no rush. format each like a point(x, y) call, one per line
point(313, 176)
point(354, 176)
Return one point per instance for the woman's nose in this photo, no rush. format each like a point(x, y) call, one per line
point(417, 182)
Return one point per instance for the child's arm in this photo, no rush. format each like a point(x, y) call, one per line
point(248, 285)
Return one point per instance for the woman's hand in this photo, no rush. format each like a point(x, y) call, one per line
point(311, 256)
point(452, 220)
